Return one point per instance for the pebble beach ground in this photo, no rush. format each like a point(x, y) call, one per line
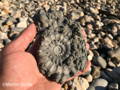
point(99, 18)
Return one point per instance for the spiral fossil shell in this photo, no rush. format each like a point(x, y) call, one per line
point(62, 52)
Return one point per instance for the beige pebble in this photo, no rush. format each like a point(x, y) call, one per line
point(94, 10)
point(3, 35)
point(90, 56)
point(108, 42)
point(75, 15)
point(89, 78)
point(80, 83)
point(84, 84)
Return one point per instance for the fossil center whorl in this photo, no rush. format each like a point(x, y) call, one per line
point(56, 47)
point(58, 50)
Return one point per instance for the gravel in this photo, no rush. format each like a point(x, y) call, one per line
point(99, 18)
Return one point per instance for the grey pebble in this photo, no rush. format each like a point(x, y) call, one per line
point(100, 84)
point(101, 62)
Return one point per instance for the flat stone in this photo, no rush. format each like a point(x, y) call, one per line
point(100, 84)
point(101, 62)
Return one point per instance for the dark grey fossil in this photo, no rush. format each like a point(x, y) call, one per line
point(62, 51)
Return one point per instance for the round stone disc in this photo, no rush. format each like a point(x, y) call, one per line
point(62, 51)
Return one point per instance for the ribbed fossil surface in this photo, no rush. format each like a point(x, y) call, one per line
point(62, 51)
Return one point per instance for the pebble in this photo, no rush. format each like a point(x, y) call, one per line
point(46, 6)
point(100, 84)
point(89, 78)
point(114, 30)
point(92, 36)
point(108, 42)
point(3, 35)
point(84, 84)
point(115, 54)
point(90, 56)
point(110, 36)
point(101, 62)
point(118, 39)
point(113, 86)
point(81, 14)
point(102, 34)
point(96, 72)
point(65, 6)
point(80, 83)
point(111, 64)
point(66, 87)
point(99, 24)
point(88, 19)
point(94, 10)
point(6, 41)
point(14, 34)
point(22, 23)
point(96, 39)
point(89, 26)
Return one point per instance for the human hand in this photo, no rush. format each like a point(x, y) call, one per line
point(18, 68)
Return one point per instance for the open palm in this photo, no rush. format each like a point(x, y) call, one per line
point(19, 68)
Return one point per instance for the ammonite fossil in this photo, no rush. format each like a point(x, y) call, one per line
point(62, 51)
